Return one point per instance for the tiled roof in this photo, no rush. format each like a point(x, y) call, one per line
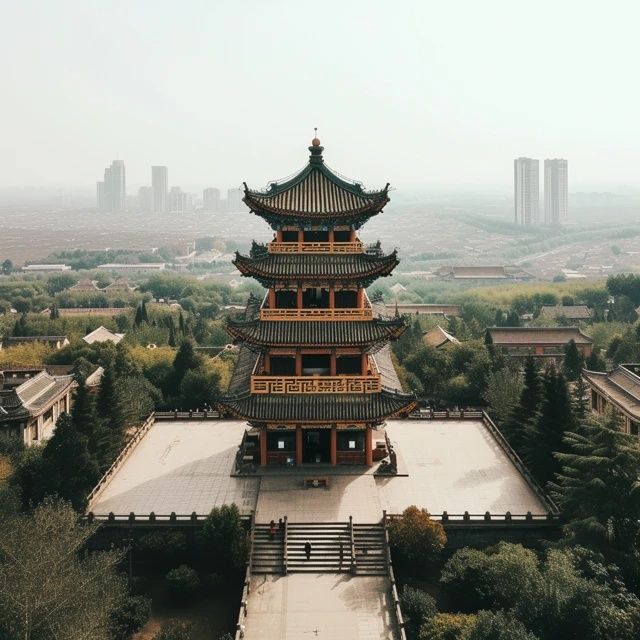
point(369, 407)
point(621, 386)
point(102, 334)
point(479, 272)
point(22, 339)
point(537, 335)
point(437, 336)
point(360, 267)
point(574, 312)
point(34, 396)
point(316, 192)
point(371, 333)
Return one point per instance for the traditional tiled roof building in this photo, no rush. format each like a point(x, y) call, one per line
point(314, 373)
point(30, 410)
point(539, 341)
point(620, 389)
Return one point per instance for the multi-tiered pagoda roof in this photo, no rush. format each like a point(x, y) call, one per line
point(314, 357)
point(318, 195)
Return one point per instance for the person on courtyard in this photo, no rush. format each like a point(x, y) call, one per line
point(272, 529)
point(281, 525)
point(307, 549)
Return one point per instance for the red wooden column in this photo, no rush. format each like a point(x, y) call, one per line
point(334, 445)
point(263, 447)
point(364, 364)
point(299, 298)
point(279, 235)
point(333, 364)
point(298, 364)
point(298, 445)
point(272, 298)
point(368, 447)
point(332, 297)
point(360, 298)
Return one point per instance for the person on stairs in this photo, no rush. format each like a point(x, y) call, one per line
point(272, 530)
point(307, 549)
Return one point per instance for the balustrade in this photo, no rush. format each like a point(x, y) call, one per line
point(315, 247)
point(316, 314)
point(315, 384)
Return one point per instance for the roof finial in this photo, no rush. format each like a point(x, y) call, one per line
point(315, 142)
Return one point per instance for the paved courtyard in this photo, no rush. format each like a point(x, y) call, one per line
point(319, 605)
point(452, 465)
point(182, 467)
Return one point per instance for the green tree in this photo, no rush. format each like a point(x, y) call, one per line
point(544, 438)
point(526, 410)
point(598, 490)
point(83, 415)
point(199, 388)
point(595, 362)
point(186, 360)
point(225, 536)
point(417, 607)
point(447, 626)
point(499, 625)
point(7, 267)
point(70, 470)
point(417, 539)
point(573, 361)
point(503, 391)
point(48, 588)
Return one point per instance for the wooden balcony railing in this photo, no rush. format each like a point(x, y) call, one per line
point(315, 384)
point(315, 247)
point(316, 314)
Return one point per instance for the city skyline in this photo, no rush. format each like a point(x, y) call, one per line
point(443, 103)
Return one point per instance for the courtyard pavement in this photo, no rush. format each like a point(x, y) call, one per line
point(182, 467)
point(452, 465)
point(320, 605)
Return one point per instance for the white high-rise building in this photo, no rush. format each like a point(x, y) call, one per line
point(526, 190)
point(113, 189)
point(556, 191)
point(234, 201)
point(160, 187)
point(211, 200)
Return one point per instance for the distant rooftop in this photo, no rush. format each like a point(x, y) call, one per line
point(572, 312)
point(537, 335)
point(46, 267)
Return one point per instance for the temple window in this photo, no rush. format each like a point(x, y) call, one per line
point(316, 236)
point(316, 365)
point(346, 299)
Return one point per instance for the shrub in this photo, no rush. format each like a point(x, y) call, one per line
point(447, 626)
point(417, 539)
point(174, 630)
point(224, 534)
point(417, 607)
point(163, 550)
point(499, 625)
point(183, 583)
point(130, 617)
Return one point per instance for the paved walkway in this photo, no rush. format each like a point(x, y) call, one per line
point(320, 605)
point(346, 496)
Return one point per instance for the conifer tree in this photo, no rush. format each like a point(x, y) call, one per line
point(186, 360)
point(70, 469)
point(573, 361)
point(109, 413)
point(83, 415)
point(526, 411)
point(181, 322)
point(599, 492)
point(595, 362)
point(138, 318)
point(544, 438)
point(580, 402)
point(143, 312)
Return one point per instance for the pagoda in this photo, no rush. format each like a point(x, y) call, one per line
point(314, 376)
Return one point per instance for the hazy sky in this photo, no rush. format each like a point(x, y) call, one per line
point(425, 93)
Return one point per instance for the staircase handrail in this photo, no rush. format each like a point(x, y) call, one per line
point(246, 590)
point(353, 546)
point(284, 551)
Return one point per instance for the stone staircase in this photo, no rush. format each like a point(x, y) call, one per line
point(268, 555)
point(371, 552)
point(325, 539)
